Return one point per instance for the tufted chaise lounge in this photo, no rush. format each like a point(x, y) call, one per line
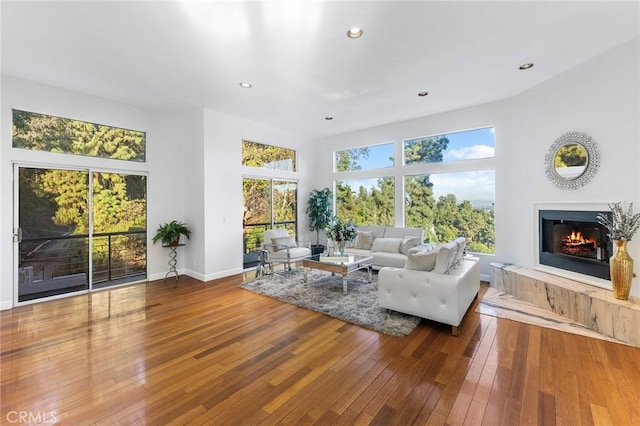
point(439, 297)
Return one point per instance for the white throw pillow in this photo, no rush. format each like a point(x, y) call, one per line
point(421, 260)
point(446, 257)
point(364, 240)
point(388, 245)
point(284, 242)
point(407, 243)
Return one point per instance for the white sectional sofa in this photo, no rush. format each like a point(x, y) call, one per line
point(388, 245)
point(438, 285)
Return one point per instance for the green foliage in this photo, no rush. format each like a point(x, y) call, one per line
point(55, 134)
point(169, 233)
point(367, 206)
point(268, 156)
point(442, 220)
point(425, 150)
point(348, 160)
point(341, 230)
point(319, 210)
point(570, 155)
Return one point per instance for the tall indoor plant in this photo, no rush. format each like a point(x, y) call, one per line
point(319, 212)
point(621, 226)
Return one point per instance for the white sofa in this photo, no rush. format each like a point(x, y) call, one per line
point(387, 244)
point(442, 297)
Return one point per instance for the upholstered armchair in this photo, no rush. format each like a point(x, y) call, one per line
point(283, 248)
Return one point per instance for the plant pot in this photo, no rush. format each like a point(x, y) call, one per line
point(317, 249)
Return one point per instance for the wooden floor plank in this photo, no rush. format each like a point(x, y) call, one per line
point(188, 352)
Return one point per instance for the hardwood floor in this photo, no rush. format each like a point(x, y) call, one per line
point(187, 352)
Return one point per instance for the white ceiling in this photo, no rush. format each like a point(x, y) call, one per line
point(172, 55)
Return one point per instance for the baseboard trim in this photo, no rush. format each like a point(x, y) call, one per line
point(4, 305)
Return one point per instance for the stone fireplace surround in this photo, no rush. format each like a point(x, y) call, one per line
point(571, 295)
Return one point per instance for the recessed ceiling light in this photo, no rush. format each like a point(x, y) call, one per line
point(526, 66)
point(328, 118)
point(354, 32)
point(245, 85)
point(423, 93)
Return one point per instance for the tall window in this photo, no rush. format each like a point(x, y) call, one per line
point(267, 204)
point(39, 132)
point(459, 202)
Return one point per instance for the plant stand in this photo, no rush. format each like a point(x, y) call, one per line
point(173, 254)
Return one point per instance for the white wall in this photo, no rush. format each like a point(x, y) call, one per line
point(600, 98)
point(164, 163)
point(214, 188)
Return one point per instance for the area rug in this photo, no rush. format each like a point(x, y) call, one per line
point(323, 293)
point(502, 305)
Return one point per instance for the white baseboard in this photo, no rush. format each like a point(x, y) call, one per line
point(5, 304)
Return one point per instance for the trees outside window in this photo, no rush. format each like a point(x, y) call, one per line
point(448, 187)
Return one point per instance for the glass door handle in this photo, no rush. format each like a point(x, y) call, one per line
point(17, 235)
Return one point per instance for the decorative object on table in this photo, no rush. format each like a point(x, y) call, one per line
point(572, 161)
point(319, 212)
point(621, 226)
point(323, 293)
point(341, 232)
point(169, 233)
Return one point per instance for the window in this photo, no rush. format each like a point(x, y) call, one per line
point(366, 158)
point(448, 205)
point(267, 204)
point(39, 132)
point(366, 201)
point(467, 145)
point(457, 201)
point(268, 156)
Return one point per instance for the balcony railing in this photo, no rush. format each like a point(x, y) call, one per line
point(118, 257)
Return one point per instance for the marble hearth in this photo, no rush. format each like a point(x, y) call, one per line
point(592, 307)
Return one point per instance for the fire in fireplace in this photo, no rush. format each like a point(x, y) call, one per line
point(574, 241)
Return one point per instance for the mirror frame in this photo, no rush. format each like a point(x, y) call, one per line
point(593, 157)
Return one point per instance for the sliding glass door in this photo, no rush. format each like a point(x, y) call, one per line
point(52, 232)
point(77, 230)
point(267, 204)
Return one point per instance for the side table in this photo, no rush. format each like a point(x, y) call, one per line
point(173, 254)
point(263, 263)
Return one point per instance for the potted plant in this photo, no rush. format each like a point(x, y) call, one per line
point(319, 211)
point(341, 232)
point(169, 233)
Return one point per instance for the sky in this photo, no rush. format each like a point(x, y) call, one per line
point(476, 185)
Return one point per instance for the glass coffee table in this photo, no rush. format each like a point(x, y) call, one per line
point(342, 265)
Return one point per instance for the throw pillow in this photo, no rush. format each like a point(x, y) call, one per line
point(283, 243)
point(389, 245)
point(446, 256)
point(407, 243)
point(421, 260)
point(364, 240)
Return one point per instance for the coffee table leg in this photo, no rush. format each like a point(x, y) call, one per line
point(369, 268)
point(344, 283)
point(304, 272)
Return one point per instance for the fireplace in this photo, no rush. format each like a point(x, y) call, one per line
point(574, 241)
